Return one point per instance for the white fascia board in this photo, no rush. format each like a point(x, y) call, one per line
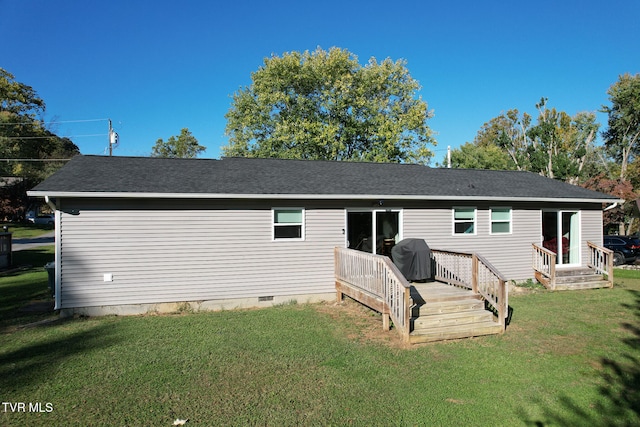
point(129, 195)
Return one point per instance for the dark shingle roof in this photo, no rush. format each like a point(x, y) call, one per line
point(130, 176)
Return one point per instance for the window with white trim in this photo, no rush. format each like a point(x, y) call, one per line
point(464, 220)
point(500, 220)
point(288, 223)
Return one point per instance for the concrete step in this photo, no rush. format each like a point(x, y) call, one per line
point(452, 319)
point(455, 332)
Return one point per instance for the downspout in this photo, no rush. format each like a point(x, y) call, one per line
point(608, 208)
point(50, 203)
point(56, 287)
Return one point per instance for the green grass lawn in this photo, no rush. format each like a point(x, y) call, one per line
point(25, 230)
point(567, 359)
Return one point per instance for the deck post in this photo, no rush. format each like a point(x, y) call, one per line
point(474, 273)
point(386, 321)
point(610, 270)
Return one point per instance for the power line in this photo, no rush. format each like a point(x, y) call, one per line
point(56, 122)
point(53, 136)
point(34, 160)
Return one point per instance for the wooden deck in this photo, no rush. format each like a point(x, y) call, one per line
point(598, 273)
point(468, 298)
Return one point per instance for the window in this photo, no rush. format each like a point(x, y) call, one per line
point(464, 220)
point(288, 223)
point(500, 220)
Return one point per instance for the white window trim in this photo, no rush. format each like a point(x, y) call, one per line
point(274, 225)
point(491, 221)
point(454, 222)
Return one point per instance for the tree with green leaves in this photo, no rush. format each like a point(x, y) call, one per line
point(472, 156)
point(184, 145)
point(324, 105)
point(622, 138)
point(556, 145)
point(26, 144)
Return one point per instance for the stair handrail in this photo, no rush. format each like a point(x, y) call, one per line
point(601, 260)
point(492, 285)
point(472, 271)
point(377, 275)
point(544, 262)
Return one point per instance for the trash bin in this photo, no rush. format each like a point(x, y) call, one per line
point(51, 270)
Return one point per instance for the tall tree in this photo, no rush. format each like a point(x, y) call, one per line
point(555, 145)
point(622, 137)
point(325, 105)
point(622, 216)
point(508, 131)
point(184, 145)
point(26, 144)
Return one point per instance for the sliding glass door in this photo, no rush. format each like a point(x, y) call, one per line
point(561, 235)
point(373, 231)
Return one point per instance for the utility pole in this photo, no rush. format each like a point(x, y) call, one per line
point(110, 144)
point(113, 138)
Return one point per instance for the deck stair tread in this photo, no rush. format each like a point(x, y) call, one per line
point(583, 285)
point(443, 312)
point(575, 279)
point(454, 306)
point(455, 318)
point(455, 332)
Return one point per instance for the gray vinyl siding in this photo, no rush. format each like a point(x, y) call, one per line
point(591, 225)
point(189, 251)
point(510, 253)
point(197, 250)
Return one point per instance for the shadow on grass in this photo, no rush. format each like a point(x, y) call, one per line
point(32, 258)
point(620, 403)
point(23, 286)
point(35, 362)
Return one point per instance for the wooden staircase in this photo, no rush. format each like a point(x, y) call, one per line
point(444, 312)
point(579, 278)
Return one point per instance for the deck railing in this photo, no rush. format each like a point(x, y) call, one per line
point(544, 265)
point(375, 278)
point(378, 276)
point(474, 272)
point(601, 260)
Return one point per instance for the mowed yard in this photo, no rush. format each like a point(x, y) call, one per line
point(566, 359)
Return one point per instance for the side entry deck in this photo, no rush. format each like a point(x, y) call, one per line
point(467, 298)
point(598, 273)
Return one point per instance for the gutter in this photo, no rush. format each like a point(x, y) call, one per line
point(50, 203)
point(266, 196)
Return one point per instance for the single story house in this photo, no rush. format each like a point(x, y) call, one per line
point(148, 234)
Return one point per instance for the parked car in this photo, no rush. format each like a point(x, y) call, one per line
point(42, 219)
point(625, 249)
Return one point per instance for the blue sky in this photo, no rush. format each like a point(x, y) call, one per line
point(154, 67)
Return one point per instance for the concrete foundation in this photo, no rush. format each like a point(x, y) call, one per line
point(195, 306)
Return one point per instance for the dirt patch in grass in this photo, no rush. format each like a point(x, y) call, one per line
point(365, 324)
